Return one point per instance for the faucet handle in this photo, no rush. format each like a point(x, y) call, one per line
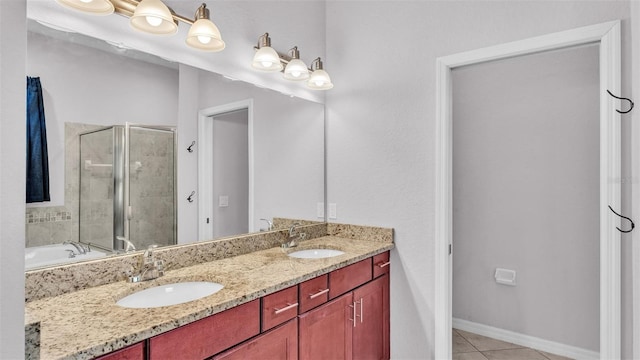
point(148, 254)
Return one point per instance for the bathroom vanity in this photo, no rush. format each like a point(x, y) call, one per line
point(272, 306)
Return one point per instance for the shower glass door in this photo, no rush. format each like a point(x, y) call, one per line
point(150, 196)
point(98, 166)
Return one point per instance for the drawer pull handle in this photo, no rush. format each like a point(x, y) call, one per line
point(288, 307)
point(321, 292)
point(384, 265)
point(361, 311)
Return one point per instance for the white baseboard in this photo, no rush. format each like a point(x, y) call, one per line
point(526, 340)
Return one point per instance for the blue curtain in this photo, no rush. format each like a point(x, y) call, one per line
point(37, 158)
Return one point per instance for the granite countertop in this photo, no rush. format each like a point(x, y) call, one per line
point(87, 323)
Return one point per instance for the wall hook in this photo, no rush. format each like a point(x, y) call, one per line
point(190, 197)
point(622, 98)
point(624, 217)
point(189, 149)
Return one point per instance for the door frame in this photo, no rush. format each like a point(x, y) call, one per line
point(205, 167)
point(607, 35)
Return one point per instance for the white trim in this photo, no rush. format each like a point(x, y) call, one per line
point(608, 35)
point(635, 185)
point(205, 173)
point(533, 342)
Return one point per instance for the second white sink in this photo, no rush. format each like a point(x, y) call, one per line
point(315, 253)
point(169, 294)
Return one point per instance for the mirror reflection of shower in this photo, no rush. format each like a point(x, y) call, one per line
point(127, 186)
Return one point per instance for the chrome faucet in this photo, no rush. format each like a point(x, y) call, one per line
point(293, 234)
point(81, 249)
point(269, 223)
point(150, 268)
point(128, 244)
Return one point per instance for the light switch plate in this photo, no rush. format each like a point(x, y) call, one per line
point(223, 201)
point(333, 211)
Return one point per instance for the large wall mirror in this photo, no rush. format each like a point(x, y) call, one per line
point(265, 158)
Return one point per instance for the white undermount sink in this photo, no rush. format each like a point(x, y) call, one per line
point(169, 294)
point(315, 253)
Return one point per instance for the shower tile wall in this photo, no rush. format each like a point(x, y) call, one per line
point(151, 161)
point(57, 229)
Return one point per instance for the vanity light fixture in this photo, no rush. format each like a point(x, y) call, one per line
point(154, 17)
point(319, 79)
point(204, 34)
point(267, 59)
point(296, 69)
point(96, 7)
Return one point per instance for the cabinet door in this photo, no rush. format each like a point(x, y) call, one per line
point(371, 333)
point(280, 343)
point(325, 332)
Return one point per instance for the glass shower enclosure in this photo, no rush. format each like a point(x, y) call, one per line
point(128, 186)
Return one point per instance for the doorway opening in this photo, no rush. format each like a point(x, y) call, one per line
point(225, 179)
point(607, 36)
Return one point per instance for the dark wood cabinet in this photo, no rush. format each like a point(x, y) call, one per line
point(355, 324)
point(371, 333)
point(280, 343)
point(326, 332)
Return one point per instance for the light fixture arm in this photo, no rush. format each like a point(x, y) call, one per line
point(126, 8)
point(316, 65)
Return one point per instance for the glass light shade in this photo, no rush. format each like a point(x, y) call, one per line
point(319, 80)
point(266, 59)
point(296, 70)
point(153, 16)
point(204, 35)
point(95, 7)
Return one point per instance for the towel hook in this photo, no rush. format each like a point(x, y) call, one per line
point(632, 224)
point(622, 98)
point(189, 149)
point(190, 197)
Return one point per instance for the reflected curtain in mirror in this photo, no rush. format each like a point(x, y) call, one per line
point(37, 158)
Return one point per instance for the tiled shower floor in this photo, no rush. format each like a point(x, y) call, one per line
point(469, 346)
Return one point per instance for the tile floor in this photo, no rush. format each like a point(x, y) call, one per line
point(469, 346)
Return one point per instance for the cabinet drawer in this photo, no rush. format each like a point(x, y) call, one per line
point(211, 335)
point(279, 307)
point(133, 352)
point(349, 277)
point(279, 343)
point(314, 292)
point(381, 264)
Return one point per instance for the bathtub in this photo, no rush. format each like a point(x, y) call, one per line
point(55, 254)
